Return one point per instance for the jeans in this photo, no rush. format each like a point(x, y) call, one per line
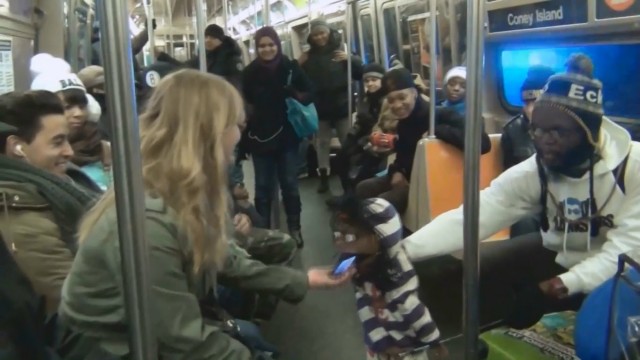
point(281, 167)
point(323, 138)
point(302, 154)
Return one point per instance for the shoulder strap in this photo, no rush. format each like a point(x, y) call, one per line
point(619, 172)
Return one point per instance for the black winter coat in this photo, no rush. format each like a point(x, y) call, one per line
point(225, 61)
point(516, 142)
point(330, 78)
point(268, 128)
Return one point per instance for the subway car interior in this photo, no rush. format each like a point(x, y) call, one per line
point(496, 41)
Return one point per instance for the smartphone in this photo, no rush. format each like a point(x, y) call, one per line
point(343, 265)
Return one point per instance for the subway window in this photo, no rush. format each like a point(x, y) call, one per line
point(615, 65)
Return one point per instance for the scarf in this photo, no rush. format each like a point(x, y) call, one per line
point(67, 201)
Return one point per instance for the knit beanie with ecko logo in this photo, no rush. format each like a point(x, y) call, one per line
point(578, 94)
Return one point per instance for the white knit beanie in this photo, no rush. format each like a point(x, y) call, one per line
point(458, 71)
point(53, 74)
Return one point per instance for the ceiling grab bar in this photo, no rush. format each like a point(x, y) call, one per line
point(118, 65)
point(473, 133)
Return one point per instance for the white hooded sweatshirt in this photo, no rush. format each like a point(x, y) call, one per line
point(515, 195)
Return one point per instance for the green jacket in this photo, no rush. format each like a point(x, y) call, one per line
point(30, 232)
point(93, 302)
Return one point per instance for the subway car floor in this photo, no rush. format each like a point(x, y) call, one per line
point(325, 326)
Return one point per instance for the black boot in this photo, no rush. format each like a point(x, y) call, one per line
point(324, 181)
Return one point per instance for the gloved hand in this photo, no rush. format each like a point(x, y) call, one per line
point(154, 25)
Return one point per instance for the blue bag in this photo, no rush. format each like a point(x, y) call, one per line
point(603, 324)
point(303, 118)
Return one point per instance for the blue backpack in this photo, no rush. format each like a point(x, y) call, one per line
point(303, 118)
point(607, 314)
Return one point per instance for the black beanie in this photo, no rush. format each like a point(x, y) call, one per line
point(537, 78)
point(373, 70)
point(577, 93)
point(397, 79)
point(214, 31)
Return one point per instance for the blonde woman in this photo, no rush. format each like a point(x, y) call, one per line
point(188, 133)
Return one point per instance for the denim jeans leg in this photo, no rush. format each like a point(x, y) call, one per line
point(265, 178)
point(288, 178)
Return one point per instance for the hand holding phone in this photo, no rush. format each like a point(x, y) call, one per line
point(343, 265)
point(323, 278)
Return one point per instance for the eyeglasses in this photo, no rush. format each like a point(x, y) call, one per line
point(557, 134)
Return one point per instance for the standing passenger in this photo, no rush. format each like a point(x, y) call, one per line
point(326, 65)
point(188, 135)
point(223, 55)
point(271, 139)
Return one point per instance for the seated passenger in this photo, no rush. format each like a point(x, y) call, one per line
point(394, 320)
point(413, 114)
point(455, 87)
point(90, 152)
point(352, 152)
point(188, 134)
point(576, 184)
point(41, 199)
point(516, 141)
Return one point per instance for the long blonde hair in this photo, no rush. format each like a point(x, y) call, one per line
point(183, 159)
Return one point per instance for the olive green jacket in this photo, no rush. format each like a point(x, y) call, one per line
point(93, 302)
point(30, 232)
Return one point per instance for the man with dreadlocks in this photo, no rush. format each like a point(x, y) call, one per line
point(42, 195)
point(582, 185)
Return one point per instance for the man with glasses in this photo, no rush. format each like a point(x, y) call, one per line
point(516, 142)
point(582, 184)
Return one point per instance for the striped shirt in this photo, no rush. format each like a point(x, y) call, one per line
point(388, 306)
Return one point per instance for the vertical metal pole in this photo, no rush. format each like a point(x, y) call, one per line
point(200, 25)
point(473, 133)
point(148, 60)
point(169, 48)
point(73, 35)
point(455, 37)
point(225, 14)
point(433, 67)
point(118, 64)
point(349, 24)
point(266, 12)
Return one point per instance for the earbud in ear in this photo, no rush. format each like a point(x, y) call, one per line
point(19, 151)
